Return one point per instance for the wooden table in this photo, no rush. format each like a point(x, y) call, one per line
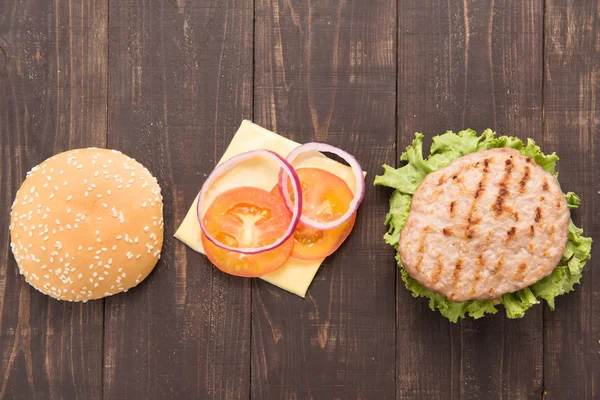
point(168, 82)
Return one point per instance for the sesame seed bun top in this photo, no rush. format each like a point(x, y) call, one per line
point(86, 224)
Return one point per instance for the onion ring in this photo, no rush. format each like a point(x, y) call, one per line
point(221, 169)
point(359, 193)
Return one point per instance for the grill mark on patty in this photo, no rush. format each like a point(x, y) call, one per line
point(456, 273)
point(552, 232)
point(488, 239)
point(546, 254)
point(538, 214)
point(470, 233)
point(511, 233)
point(528, 160)
point(499, 265)
point(447, 231)
point(457, 179)
point(438, 270)
point(452, 204)
point(498, 206)
point(520, 272)
point(531, 230)
point(545, 186)
point(441, 180)
point(477, 277)
point(421, 249)
point(524, 180)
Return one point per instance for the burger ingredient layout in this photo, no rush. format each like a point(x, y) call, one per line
point(257, 180)
point(512, 244)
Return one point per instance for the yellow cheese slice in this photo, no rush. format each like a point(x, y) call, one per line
point(295, 276)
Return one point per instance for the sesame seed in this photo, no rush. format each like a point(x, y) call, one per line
point(136, 239)
point(80, 276)
point(49, 177)
point(91, 266)
point(100, 278)
point(114, 247)
point(104, 205)
point(80, 248)
point(96, 173)
point(109, 192)
point(119, 237)
point(95, 285)
point(86, 194)
point(80, 166)
point(99, 196)
point(51, 195)
point(98, 240)
point(55, 187)
point(146, 229)
point(109, 261)
point(68, 211)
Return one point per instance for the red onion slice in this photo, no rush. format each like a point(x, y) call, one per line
point(359, 193)
point(286, 168)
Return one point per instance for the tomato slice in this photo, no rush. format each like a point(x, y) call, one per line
point(247, 217)
point(326, 197)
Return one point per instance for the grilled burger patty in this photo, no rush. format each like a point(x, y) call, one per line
point(490, 223)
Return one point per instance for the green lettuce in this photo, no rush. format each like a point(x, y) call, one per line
point(445, 149)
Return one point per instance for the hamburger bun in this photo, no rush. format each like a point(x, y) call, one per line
point(490, 223)
point(86, 224)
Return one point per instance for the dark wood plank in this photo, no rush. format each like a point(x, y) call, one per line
point(53, 85)
point(468, 64)
point(572, 128)
point(325, 70)
point(180, 84)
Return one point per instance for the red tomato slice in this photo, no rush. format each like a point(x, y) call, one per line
point(247, 217)
point(326, 198)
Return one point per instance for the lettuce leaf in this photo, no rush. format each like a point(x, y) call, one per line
point(445, 149)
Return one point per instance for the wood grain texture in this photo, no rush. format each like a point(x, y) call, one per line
point(325, 70)
point(468, 64)
point(53, 85)
point(572, 127)
point(180, 84)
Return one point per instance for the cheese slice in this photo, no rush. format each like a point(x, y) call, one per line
point(295, 276)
